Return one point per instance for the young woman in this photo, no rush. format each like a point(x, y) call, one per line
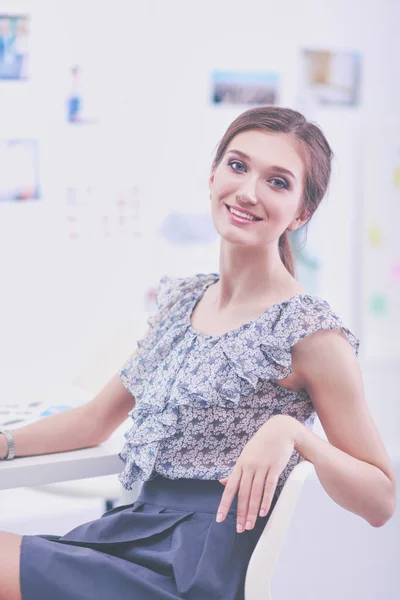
point(223, 391)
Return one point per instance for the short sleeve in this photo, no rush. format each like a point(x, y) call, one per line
point(263, 349)
point(128, 373)
point(170, 292)
point(174, 294)
point(165, 289)
point(310, 314)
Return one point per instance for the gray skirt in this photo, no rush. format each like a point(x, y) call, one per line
point(165, 546)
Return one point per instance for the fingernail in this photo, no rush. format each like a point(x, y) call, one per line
point(239, 528)
point(263, 512)
point(249, 525)
point(219, 517)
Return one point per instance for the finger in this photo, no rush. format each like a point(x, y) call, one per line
point(256, 496)
point(229, 493)
point(269, 491)
point(223, 481)
point(243, 499)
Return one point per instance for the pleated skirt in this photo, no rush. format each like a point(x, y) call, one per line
point(165, 546)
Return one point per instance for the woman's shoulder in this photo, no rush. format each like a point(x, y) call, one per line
point(262, 349)
point(171, 288)
point(305, 314)
point(175, 295)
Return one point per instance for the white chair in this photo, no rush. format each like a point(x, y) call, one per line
point(266, 553)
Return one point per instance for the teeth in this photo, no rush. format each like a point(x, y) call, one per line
point(240, 214)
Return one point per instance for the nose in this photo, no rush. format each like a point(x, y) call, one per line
point(248, 192)
point(247, 197)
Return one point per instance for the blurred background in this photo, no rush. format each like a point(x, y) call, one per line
point(110, 114)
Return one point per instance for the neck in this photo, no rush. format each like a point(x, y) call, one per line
point(251, 275)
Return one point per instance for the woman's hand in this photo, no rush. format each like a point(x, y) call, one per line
point(257, 471)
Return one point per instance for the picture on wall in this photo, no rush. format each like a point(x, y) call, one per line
point(97, 211)
point(19, 179)
point(247, 88)
point(14, 47)
point(83, 97)
point(331, 78)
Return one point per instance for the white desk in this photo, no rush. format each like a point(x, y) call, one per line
point(62, 466)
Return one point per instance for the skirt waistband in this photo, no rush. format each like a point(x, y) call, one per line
point(197, 495)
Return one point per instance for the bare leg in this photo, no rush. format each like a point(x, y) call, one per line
point(10, 550)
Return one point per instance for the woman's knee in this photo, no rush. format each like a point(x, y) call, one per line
point(10, 552)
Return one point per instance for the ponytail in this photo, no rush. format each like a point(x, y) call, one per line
point(285, 252)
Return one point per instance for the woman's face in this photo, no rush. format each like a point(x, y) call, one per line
point(263, 174)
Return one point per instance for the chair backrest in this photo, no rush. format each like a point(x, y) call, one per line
point(266, 553)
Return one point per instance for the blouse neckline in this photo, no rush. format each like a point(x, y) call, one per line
point(214, 278)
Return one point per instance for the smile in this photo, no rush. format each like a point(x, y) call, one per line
point(242, 215)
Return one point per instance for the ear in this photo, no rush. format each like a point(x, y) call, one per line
point(299, 221)
point(295, 224)
point(211, 178)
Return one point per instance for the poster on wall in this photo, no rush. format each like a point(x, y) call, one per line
point(245, 88)
point(19, 179)
point(330, 78)
point(98, 212)
point(83, 96)
point(14, 47)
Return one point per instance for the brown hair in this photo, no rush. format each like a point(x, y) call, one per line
point(318, 157)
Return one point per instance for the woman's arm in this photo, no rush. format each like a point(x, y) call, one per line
point(76, 428)
point(353, 467)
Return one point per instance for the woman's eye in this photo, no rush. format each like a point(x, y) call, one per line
point(236, 162)
point(279, 183)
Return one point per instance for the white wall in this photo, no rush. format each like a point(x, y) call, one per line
point(164, 132)
point(61, 303)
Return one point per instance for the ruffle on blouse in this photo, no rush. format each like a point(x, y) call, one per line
point(260, 350)
point(167, 328)
point(155, 414)
point(220, 375)
point(263, 349)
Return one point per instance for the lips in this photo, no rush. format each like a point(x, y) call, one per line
point(247, 212)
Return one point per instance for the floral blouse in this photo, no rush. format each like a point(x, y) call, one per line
point(200, 398)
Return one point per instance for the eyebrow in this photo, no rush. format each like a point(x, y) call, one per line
point(273, 167)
